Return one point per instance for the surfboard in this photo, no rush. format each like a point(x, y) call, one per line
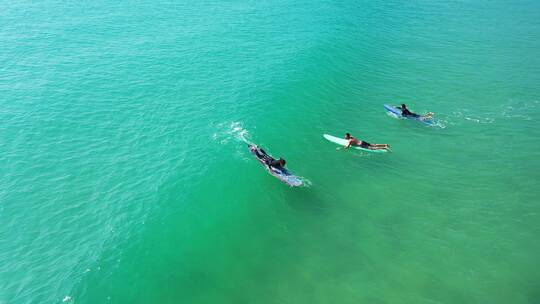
point(343, 142)
point(397, 113)
point(282, 174)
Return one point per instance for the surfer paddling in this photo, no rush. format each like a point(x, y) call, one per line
point(406, 113)
point(276, 163)
point(352, 141)
point(269, 160)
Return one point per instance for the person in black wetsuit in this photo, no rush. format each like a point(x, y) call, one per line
point(352, 141)
point(269, 160)
point(277, 163)
point(406, 113)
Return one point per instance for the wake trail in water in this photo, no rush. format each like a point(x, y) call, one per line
point(520, 110)
point(229, 131)
point(516, 110)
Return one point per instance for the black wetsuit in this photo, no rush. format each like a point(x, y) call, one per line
point(274, 163)
point(261, 154)
point(268, 160)
point(405, 112)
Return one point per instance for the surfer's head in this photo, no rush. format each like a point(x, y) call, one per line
point(282, 162)
point(403, 105)
point(347, 135)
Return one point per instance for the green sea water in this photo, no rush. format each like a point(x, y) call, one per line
point(125, 176)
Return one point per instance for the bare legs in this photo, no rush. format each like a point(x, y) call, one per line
point(429, 115)
point(379, 147)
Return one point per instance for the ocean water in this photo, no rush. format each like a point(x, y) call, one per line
point(125, 177)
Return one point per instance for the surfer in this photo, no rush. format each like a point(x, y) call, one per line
point(276, 163)
point(406, 113)
point(275, 167)
point(352, 141)
point(269, 160)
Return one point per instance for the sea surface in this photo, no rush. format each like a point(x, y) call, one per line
point(125, 175)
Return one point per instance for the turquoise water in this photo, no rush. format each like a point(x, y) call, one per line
point(125, 178)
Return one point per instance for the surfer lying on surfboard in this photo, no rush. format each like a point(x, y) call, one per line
point(352, 141)
point(406, 113)
point(269, 160)
point(276, 167)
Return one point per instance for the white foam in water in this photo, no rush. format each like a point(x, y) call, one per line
point(238, 131)
point(439, 123)
point(473, 118)
point(519, 109)
point(231, 131)
point(305, 182)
